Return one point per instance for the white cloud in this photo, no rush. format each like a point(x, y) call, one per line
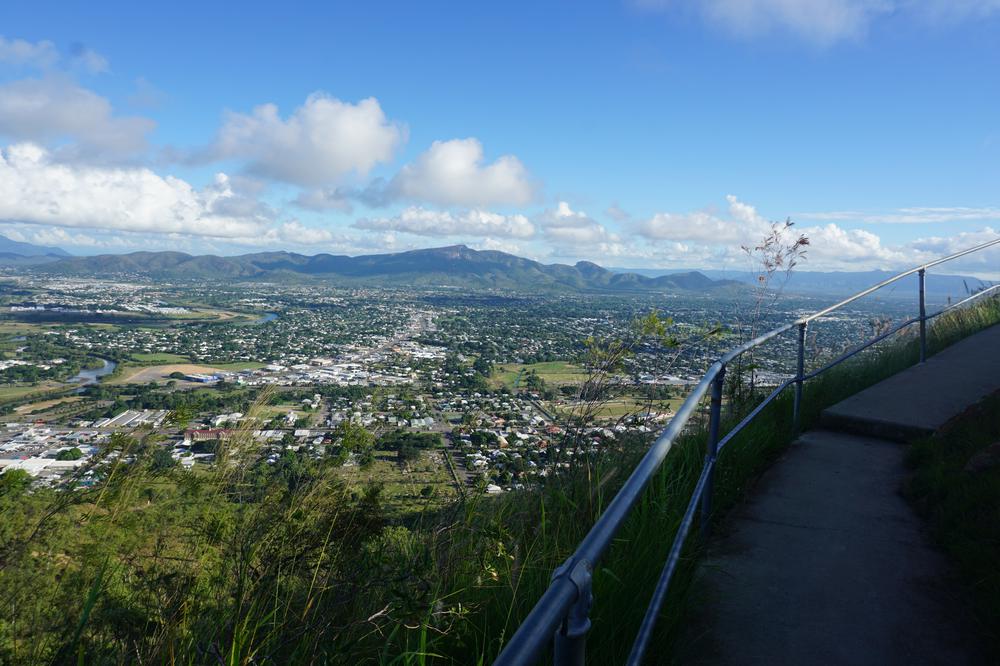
point(60, 237)
point(55, 109)
point(831, 246)
point(912, 215)
point(821, 22)
point(452, 173)
point(499, 245)
point(986, 262)
point(565, 225)
point(36, 189)
point(953, 10)
point(742, 225)
point(89, 60)
point(41, 54)
point(322, 141)
point(424, 222)
point(617, 213)
point(708, 239)
point(296, 232)
point(325, 199)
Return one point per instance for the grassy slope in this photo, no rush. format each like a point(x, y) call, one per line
point(962, 504)
point(454, 583)
point(542, 530)
point(553, 373)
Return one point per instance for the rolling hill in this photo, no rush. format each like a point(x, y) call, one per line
point(17, 253)
point(455, 265)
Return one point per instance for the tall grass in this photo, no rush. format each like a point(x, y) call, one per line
point(535, 532)
point(246, 563)
point(955, 485)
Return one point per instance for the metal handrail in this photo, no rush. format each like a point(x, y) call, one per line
point(561, 614)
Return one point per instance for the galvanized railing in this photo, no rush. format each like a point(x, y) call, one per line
point(562, 614)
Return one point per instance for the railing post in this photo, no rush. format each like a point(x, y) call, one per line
point(570, 640)
point(923, 314)
point(800, 373)
point(712, 446)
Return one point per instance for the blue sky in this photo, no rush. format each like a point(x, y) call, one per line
point(654, 133)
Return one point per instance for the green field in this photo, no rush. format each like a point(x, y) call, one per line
point(619, 407)
point(238, 365)
point(401, 484)
point(16, 392)
point(555, 373)
point(19, 328)
point(160, 358)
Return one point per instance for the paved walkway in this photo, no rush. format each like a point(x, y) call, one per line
point(826, 563)
point(920, 400)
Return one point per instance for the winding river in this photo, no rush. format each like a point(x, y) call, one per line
point(89, 376)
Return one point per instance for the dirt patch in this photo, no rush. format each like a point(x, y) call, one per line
point(160, 373)
point(45, 404)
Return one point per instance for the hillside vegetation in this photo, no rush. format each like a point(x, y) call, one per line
point(244, 562)
point(956, 486)
point(457, 266)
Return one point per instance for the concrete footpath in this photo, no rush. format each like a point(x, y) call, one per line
point(826, 563)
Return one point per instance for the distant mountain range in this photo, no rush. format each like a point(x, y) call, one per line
point(840, 283)
point(457, 266)
point(16, 252)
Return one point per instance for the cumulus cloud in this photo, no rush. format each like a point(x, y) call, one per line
point(912, 215)
point(498, 245)
point(954, 10)
point(55, 109)
point(565, 225)
point(19, 52)
point(293, 232)
point(43, 55)
point(424, 222)
point(986, 261)
point(453, 173)
point(716, 239)
point(36, 189)
point(821, 22)
point(617, 213)
point(374, 195)
point(742, 224)
point(835, 247)
point(325, 199)
point(88, 59)
point(319, 143)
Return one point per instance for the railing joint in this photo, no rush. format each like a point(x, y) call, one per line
point(569, 642)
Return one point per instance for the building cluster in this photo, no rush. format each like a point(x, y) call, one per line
point(36, 450)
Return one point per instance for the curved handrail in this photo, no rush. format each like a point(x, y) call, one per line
point(894, 278)
point(561, 613)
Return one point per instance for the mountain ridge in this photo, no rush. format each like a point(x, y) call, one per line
point(453, 265)
point(12, 249)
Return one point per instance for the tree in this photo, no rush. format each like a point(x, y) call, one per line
point(771, 262)
point(69, 454)
point(14, 481)
point(162, 460)
point(354, 437)
point(407, 453)
point(180, 417)
point(483, 366)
